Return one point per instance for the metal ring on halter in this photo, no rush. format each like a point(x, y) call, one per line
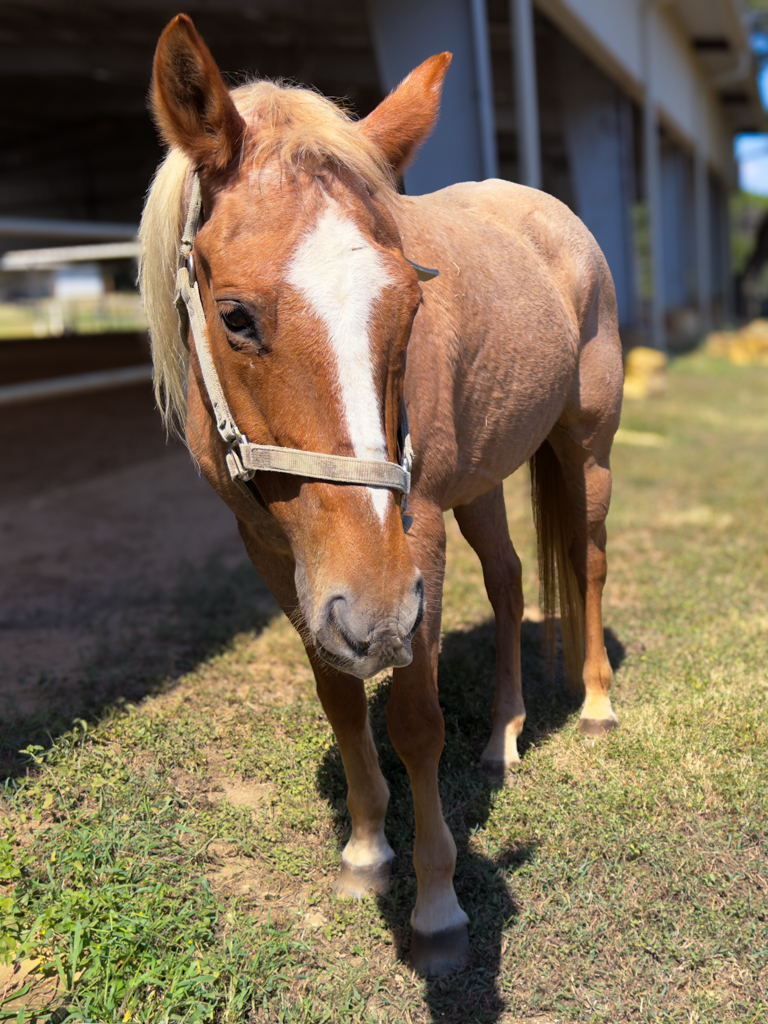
point(191, 268)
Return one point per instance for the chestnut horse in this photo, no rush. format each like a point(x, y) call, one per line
point(306, 302)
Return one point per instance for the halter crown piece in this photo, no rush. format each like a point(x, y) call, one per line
point(244, 459)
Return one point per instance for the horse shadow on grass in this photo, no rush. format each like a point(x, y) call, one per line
point(149, 637)
point(483, 884)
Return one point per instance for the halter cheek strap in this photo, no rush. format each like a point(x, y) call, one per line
point(244, 458)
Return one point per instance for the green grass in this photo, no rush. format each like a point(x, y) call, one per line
point(174, 859)
point(43, 318)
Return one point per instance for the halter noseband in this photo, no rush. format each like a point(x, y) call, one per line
point(244, 458)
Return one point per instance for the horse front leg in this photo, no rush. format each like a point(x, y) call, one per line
point(367, 858)
point(440, 938)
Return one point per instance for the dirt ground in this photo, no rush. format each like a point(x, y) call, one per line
point(102, 527)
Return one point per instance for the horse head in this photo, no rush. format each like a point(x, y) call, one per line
point(309, 303)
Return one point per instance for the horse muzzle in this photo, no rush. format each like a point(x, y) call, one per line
point(355, 638)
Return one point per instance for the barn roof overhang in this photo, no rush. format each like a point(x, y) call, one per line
point(714, 32)
point(719, 37)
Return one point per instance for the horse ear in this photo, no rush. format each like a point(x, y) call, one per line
point(191, 104)
point(405, 118)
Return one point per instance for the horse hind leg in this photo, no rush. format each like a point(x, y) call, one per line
point(484, 525)
point(589, 560)
point(587, 480)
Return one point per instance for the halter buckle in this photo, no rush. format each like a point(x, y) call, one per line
point(237, 470)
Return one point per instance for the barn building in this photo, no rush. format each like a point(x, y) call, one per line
point(623, 109)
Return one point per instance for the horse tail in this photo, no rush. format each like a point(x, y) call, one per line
point(554, 532)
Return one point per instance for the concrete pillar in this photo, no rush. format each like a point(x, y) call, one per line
point(597, 120)
point(652, 170)
point(526, 92)
point(729, 305)
point(406, 32)
point(703, 237)
point(718, 234)
point(703, 231)
point(678, 228)
point(484, 83)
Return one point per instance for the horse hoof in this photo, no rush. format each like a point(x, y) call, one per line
point(493, 768)
point(356, 882)
point(595, 727)
point(441, 952)
point(496, 770)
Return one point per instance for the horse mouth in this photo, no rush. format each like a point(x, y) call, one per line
point(335, 660)
point(366, 666)
point(365, 648)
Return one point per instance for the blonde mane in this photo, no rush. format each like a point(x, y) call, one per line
point(288, 123)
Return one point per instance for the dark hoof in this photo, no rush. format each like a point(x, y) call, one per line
point(495, 770)
point(358, 882)
point(440, 953)
point(593, 727)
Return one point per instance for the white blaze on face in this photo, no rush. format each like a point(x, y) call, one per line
point(340, 276)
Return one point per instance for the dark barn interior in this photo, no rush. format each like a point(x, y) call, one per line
point(78, 142)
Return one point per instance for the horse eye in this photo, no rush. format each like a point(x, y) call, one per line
point(236, 319)
point(240, 322)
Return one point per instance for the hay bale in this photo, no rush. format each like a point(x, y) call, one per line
point(644, 372)
point(745, 347)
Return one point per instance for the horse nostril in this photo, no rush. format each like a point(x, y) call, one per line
point(342, 631)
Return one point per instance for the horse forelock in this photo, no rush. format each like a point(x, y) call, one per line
point(293, 125)
point(300, 126)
